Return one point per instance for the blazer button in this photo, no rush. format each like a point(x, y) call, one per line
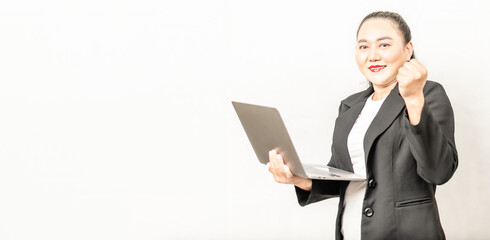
point(368, 212)
point(371, 183)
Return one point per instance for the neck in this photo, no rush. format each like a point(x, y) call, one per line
point(381, 91)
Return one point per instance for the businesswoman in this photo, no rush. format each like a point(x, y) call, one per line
point(398, 133)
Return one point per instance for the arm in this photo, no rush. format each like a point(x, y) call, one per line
point(429, 124)
point(307, 190)
point(322, 189)
point(282, 174)
point(432, 139)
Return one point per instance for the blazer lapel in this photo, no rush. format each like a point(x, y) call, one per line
point(343, 126)
point(388, 112)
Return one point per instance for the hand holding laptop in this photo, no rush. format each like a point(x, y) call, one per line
point(282, 174)
point(266, 130)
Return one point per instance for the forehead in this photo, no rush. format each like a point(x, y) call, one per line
point(375, 28)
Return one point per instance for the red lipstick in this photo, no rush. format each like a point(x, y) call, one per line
point(376, 68)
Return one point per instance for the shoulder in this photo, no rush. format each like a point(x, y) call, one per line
point(434, 91)
point(437, 102)
point(353, 99)
point(432, 85)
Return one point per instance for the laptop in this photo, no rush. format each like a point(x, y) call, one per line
point(266, 131)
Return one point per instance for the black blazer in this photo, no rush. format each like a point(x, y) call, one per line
point(404, 163)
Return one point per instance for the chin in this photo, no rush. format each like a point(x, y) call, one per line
point(380, 80)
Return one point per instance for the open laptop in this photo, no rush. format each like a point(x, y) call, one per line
point(266, 131)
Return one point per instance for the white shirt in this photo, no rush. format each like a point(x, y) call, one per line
point(354, 194)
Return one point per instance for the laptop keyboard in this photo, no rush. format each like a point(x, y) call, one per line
point(318, 172)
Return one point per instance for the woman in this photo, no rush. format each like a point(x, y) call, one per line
point(399, 134)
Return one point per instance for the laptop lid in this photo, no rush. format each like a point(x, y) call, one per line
point(266, 131)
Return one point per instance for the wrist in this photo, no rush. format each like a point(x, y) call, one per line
point(414, 107)
point(303, 183)
point(414, 101)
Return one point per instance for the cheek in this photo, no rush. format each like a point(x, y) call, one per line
point(360, 59)
point(393, 56)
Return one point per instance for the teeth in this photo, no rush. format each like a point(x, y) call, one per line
point(376, 69)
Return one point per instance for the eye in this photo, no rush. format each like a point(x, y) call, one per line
point(363, 47)
point(384, 45)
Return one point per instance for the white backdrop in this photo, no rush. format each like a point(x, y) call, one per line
point(116, 121)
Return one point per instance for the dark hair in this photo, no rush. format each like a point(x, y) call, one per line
point(397, 19)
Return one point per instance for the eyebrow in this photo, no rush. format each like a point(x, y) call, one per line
point(379, 39)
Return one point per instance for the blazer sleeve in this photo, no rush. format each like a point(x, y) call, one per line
point(432, 140)
point(321, 189)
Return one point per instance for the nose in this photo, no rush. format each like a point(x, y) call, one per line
point(373, 55)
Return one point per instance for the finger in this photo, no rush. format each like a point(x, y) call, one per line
point(409, 66)
point(279, 159)
point(272, 153)
point(272, 158)
point(416, 62)
point(413, 60)
point(416, 70)
point(402, 75)
point(418, 65)
point(287, 171)
point(403, 70)
point(276, 165)
point(280, 166)
point(421, 68)
point(274, 173)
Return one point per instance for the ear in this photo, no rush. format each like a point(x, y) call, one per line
point(409, 50)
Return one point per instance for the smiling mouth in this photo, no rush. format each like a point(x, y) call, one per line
point(377, 68)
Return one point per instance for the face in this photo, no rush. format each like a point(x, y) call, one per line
point(381, 51)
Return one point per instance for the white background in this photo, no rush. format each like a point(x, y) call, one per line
point(116, 121)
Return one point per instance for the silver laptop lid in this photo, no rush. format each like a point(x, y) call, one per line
point(266, 131)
